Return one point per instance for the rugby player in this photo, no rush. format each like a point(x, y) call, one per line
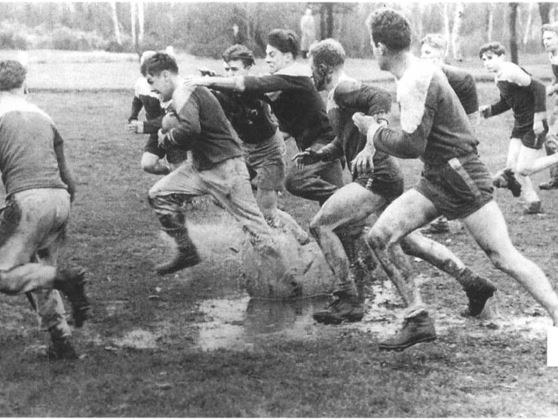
point(525, 96)
point(454, 181)
point(39, 191)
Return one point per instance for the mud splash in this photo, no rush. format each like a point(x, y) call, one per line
point(241, 323)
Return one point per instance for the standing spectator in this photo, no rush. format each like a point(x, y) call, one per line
point(308, 32)
point(237, 36)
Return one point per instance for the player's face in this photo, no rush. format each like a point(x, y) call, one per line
point(492, 62)
point(235, 68)
point(428, 52)
point(161, 84)
point(275, 59)
point(550, 41)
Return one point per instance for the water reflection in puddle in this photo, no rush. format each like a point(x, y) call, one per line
point(241, 323)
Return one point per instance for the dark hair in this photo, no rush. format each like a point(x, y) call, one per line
point(550, 27)
point(12, 74)
point(284, 40)
point(390, 28)
point(493, 47)
point(159, 62)
point(239, 52)
point(328, 52)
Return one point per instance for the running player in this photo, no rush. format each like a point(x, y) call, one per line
point(39, 190)
point(454, 181)
point(525, 96)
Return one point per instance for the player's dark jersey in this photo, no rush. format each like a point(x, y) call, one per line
point(296, 103)
point(28, 139)
point(348, 97)
point(145, 98)
point(523, 99)
point(202, 127)
point(434, 125)
point(463, 83)
point(250, 116)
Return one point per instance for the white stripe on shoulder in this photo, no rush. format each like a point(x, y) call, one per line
point(412, 89)
point(296, 69)
point(16, 103)
point(510, 72)
point(181, 96)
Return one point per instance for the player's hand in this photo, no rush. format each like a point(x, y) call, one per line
point(135, 126)
point(362, 163)
point(484, 110)
point(551, 143)
point(363, 122)
point(307, 157)
point(161, 136)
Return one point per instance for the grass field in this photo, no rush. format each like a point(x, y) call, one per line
point(194, 345)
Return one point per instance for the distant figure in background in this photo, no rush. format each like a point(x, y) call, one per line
point(526, 97)
point(39, 191)
point(308, 32)
point(237, 36)
point(550, 42)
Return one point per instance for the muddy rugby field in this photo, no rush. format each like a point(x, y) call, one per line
point(195, 345)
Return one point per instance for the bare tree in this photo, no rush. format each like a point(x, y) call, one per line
point(544, 11)
point(141, 22)
point(115, 23)
point(456, 32)
point(446, 18)
point(512, 21)
point(133, 20)
point(527, 33)
point(490, 21)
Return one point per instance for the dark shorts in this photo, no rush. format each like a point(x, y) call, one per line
point(459, 188)
point(528, 137)
point(389, 190)
point(266, 163)
point(152, 146)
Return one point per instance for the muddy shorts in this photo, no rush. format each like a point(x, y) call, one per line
point(528, 137)
point(266, 162)
point(389, 190)
point(458, 188)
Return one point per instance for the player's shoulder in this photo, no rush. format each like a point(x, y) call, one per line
point(412, 92)
point(512, 73)
point(15, 104)
point(347, 85)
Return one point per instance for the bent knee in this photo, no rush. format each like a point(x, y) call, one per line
point(8, 287)
point(378, 238)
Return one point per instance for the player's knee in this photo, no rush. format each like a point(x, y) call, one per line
point(377, 238)
point(6, 286)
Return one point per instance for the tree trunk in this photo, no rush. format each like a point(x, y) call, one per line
point(527, 34)
point(513, 34)
point(115, 23)
point(447, 32)
point(141, 22)
point(456, 32)
point(326, 20)
point(133, 20)
point(490, 22)
point(544, 11)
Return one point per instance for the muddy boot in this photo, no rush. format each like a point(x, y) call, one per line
point(513, 184)
point(345, 307)
point(438, 226)
point(416, 329)
point(478, 290)
point(71, 282)
point(60, 347)
point(534, 207)
point(186, 252)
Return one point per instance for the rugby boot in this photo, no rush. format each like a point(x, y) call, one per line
point(71, 282)
point(438, 226)
point(60, 347)
point(551, 184)
point(416, 329)
point(534, 207)
point(345, 307)
point(478, 290)
point(513, 184)
point(186, 253)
